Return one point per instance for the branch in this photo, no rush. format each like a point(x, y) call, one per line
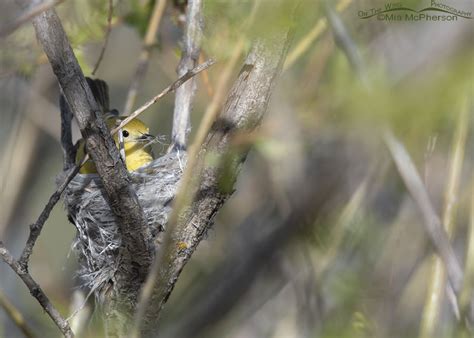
point(35, 229)
point(242, 112)
point(144, 59)
point(172, 87)
point(189, 59)
point(135, 251)
point(36, 292)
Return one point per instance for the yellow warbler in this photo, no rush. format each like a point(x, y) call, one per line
point(136, 143)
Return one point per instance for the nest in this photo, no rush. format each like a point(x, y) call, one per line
point(97, 240)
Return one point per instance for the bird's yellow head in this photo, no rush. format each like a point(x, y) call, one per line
point(135, 134)
point(136, 143)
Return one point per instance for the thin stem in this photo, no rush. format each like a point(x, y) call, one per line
point(106, 38)
point(170, 88)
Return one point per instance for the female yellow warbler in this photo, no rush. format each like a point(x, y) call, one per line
point(136, 143)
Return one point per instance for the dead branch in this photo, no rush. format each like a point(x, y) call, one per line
point(189, 59)
point(36, 292)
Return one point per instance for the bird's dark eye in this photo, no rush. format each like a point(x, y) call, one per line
point(125, 133)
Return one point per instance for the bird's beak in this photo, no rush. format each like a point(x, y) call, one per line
point(146, 138)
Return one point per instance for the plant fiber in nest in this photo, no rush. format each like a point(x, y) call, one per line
point(97, 241)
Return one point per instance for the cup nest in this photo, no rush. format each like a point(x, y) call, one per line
point(97, 241)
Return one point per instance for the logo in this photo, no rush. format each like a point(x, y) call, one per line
point(437, 11)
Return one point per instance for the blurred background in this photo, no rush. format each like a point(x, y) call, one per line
point(357, 263)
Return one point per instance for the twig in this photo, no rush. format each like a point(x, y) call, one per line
point(170, 88)
point(30, 14)
point(16, 316)
point(434, 296)
point(35, 229)
point(107, 35)
point(143, 61)
point(36, 292)
point(189, 59)
point(437, 234)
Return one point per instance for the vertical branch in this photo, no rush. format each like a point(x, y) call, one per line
point(189, 59)
point(145, 54)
